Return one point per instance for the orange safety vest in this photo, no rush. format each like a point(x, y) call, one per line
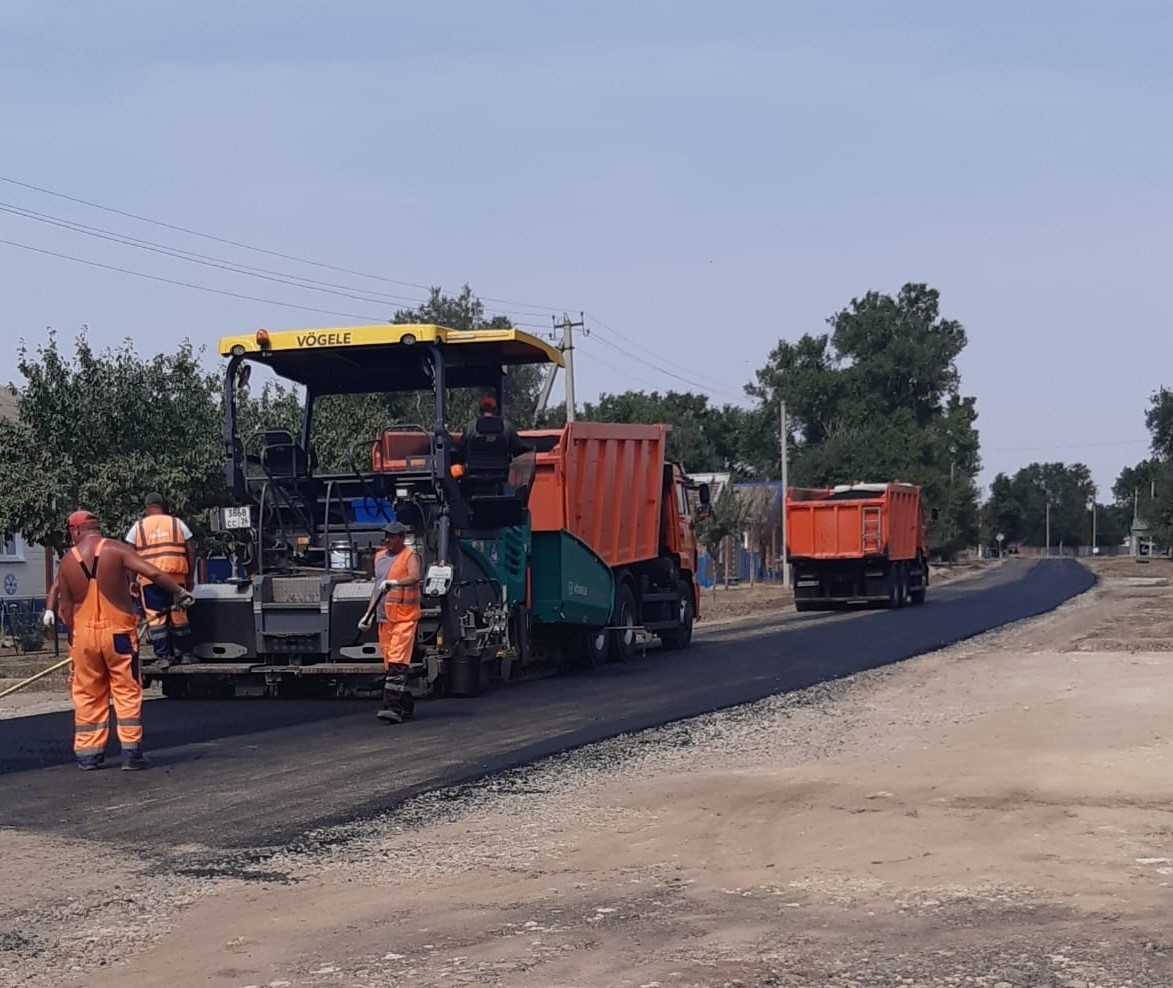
point(160, 542)
point(402, 603)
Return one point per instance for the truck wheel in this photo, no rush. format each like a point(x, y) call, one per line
point(679, 638)
point(592, 649)
point(893, 587)
point(623, 636)
point(917, 596)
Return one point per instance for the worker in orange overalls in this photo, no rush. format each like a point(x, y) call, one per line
point(98, 611)
point(397, 580)
point(166, 542)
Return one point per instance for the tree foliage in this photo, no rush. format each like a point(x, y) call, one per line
point(704, 438)
point(523, 383)
point(878, 398)
point(1017, 506)
point(343, 424)
point(727, 517)
point(99, 431)
point(1145, 491)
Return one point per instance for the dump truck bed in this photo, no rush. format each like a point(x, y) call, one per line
point(603, 483)
point(854, 522)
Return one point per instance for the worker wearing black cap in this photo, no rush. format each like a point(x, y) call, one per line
point(165, 541)
point(397, 581)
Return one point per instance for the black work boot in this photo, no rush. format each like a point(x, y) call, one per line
point(397, 701)
point(133, 760)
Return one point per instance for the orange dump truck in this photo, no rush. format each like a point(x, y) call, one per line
point(857, 543)
point(611, 488)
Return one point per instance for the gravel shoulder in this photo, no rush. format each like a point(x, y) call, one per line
point(994, 814)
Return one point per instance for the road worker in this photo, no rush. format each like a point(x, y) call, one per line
point(397, 582)
point(98, 612)
point(488, 428)
point(166, 542)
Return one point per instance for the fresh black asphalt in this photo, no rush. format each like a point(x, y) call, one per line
point(256, 773)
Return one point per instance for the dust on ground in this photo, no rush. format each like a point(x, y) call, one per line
point(997, 814)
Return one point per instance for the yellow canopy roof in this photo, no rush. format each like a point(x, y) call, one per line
point(386, 356)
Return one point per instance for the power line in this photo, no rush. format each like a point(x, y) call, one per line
point(241, 245)
point(188, 284)
point(661, 370)
point(209, 236)
point(208, 260)
point(284, 278)
point(655, 354)
point(618, 370)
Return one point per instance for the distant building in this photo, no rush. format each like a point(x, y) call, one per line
point(22, 566)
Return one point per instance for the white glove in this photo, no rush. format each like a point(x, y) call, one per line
point(388, 584)
point(48, 619)
point(365, 623)
point(185, 600)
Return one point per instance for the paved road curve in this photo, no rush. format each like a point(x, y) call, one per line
point(254, 773)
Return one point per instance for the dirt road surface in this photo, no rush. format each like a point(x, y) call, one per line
point(996, 814)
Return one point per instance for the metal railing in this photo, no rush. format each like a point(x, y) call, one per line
point(21, 630)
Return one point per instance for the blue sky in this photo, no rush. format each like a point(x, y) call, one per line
point(701, 179)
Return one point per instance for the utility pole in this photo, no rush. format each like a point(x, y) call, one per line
point(1094, 542)
point(785, 470)
point(567, 348)
point(1048, 526)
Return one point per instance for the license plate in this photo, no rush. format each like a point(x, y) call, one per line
point(237, 517)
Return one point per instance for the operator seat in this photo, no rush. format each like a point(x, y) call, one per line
point(485, 484)
point(281, 456)
point(486, 464)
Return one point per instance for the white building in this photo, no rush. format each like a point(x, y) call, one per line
point(22, 566)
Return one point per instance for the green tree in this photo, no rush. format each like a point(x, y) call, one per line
point(343, 424)
point(1018, 506)
point(523, 383)
point(700, 436)
point(875, 399)
point(1136, 482)
point(1154, 500)
point(1004, 513)
point(98, 431)
point(727, 518)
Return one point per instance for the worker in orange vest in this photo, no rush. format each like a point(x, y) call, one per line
point(166, 542)
point(98, 611)
point(397, 581)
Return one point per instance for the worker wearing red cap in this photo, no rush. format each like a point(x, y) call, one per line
point(98, 611)
point(166, 542)
point(489, 427)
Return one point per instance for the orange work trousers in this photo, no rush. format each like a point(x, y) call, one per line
point(105, 667)
point(397, 640)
